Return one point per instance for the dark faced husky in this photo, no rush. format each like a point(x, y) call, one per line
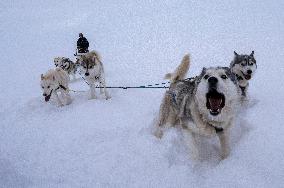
point(244, 67)
point(67, 65)
point(202, 105)
point(93, 70)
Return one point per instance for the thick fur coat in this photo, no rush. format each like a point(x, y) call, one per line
point(202, 105)
point(92, 68)
point(52, 83)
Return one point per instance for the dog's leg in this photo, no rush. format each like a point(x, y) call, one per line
point(73, 76)
point(224, 143)
point(103, 87)
point(67, 96)
point(191, 143)
point(57, 98)
point(92, 91)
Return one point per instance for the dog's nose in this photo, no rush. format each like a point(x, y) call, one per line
point(44, 95)
point(213, 80)
point(87, 74)
point(249, 71)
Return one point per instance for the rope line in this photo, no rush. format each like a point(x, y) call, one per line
point(150, 86)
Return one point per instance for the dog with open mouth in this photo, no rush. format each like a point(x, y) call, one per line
point(244, 67)
point(52, 83)
point(203, 105)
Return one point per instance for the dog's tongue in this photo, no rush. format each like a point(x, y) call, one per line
point(47, 98)
point(215, 103)
point(247, 77)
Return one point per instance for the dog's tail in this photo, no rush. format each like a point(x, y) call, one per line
point(180, 71)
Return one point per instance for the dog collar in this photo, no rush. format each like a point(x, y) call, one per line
point(217, 129)
point(62, 87)
point(243, 90)
point(239, 77)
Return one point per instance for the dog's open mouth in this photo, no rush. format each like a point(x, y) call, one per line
point(215, 101)
point(47, 98)
point(247, 76)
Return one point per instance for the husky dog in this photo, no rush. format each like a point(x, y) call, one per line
point(203, 105)
point(244, 67)
point(54, 81)
point(66, 64)
point(93, 70)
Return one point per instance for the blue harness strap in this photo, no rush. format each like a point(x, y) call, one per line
point(173, 97)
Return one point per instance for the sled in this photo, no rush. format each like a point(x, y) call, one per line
point(78, 54)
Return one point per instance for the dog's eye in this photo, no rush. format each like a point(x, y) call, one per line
point(42, 87)
point(48, 87)
point(243, 64)
point(206, 77)
point(224, 76)
point(91, 67)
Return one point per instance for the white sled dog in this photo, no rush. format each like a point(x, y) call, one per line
point(203, 105)
point(55, 81)
point(67, 65)
point(92, 68)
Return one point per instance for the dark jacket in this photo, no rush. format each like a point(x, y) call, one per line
point(82, 43)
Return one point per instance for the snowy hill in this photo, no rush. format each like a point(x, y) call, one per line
point(98, 143)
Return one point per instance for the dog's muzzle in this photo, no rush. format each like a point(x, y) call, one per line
point(87, 74)
point(248, 75)
point(47, 97)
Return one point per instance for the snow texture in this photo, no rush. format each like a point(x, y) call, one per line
point(99, 143)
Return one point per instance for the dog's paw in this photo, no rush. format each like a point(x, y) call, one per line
point(225, 154)
point(92, 97)
point(158, 133)
point(108, 97)
point(68, 101)
point(60, 105)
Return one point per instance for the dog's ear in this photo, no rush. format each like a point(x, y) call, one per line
point(236, 54)
point(252, 53)
point(203, 71)
point(41, 77)
point(94, 59)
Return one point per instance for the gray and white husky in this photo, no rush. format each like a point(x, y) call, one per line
point(55, 81)
point(244, 67)
point(67, 65)
point(92, 68)
point(203, 105)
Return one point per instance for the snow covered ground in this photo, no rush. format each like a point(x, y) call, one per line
point(98, 143)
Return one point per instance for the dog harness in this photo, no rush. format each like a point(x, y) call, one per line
point(62, 87)
point(243, 90)
point(173, 97)
point(239, 77)
point(217, 129)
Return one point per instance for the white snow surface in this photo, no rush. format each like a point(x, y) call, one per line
point(99, 143)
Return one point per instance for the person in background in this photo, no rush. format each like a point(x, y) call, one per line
point(82, 44)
